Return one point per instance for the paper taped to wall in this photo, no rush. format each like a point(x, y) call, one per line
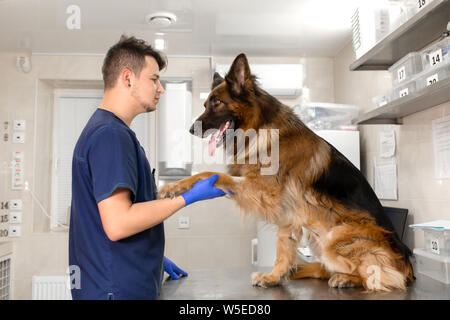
point(386, 180)
point(441, 143)
point(387, 142)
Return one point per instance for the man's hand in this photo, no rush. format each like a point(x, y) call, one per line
point(202, 190)
point(173, 270)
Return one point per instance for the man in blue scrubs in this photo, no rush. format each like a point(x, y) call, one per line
point(116, 237)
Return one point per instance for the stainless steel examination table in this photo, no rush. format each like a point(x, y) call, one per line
point(235, 284)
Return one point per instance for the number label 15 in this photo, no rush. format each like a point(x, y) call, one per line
point(4, 218)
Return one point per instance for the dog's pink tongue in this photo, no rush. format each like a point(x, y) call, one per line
point(212, 143)
point(213, 140)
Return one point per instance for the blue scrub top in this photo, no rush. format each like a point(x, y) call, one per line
point(108, 156)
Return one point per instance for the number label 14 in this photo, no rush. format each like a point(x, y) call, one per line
point(435, 57)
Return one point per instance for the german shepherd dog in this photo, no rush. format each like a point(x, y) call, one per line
point(315, 187)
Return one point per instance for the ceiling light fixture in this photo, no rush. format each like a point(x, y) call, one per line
point(160, 44)
point(160, 19)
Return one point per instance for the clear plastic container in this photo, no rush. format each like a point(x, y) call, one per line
point(432, 76)
point(397, 14)
point(412, 7)
point(437, 241)
point(436, 55)
point(370, 24)
point(405, 68)
point(326, 116)
point(382, 99)
point(404, 89)
point(433, 266)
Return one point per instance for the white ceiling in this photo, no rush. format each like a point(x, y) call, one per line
point(203, 27)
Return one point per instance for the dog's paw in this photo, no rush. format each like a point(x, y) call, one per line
point(171, 190)
point(341, 281)
point(265, 279)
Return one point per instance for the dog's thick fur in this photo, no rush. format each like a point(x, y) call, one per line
point(315, 187)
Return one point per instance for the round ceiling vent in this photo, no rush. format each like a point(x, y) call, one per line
point(161, 19)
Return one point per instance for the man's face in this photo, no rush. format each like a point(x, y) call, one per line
point(147, 87)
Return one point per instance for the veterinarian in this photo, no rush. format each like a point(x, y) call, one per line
point(116, 237)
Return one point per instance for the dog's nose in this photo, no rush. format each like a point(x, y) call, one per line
point(191, 130)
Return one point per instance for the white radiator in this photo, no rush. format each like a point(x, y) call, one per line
point(51, 287)
point(5, 277)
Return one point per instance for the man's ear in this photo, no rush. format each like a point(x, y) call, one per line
point(238, 75)
point(127, 77)
point(217, 79)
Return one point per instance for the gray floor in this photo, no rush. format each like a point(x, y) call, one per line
point(235, 284)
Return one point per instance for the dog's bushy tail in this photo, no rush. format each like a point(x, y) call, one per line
point(381, 270)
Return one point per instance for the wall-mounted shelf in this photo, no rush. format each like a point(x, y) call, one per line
point(393, 112)
point(426, 26)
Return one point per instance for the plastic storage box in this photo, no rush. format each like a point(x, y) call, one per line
point(413, 7)
point(383, 99)
point(433, 266)
point(436, 55)
point(370, 24)
point(437, 241)
point(397, 14)
point(432, 76)
point(404, 89)
point(326, 116)
point(405, 68)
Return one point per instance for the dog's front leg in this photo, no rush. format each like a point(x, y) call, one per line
point(286, 250)
point(225, 182)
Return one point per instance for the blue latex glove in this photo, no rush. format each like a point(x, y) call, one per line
point(203, 189)
point(173, 270)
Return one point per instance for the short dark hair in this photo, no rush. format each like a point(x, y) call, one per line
point(129, 53)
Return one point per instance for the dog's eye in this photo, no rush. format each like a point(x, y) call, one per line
point(217, 101)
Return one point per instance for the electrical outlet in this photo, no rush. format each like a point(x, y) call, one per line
point(183, 223)
point(19, 125)
point(15, 217)
point(15, 204)
point(19, 137)
point(15, 231)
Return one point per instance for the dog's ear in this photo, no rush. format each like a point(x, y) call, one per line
point(217, 79)
point(239, 75)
